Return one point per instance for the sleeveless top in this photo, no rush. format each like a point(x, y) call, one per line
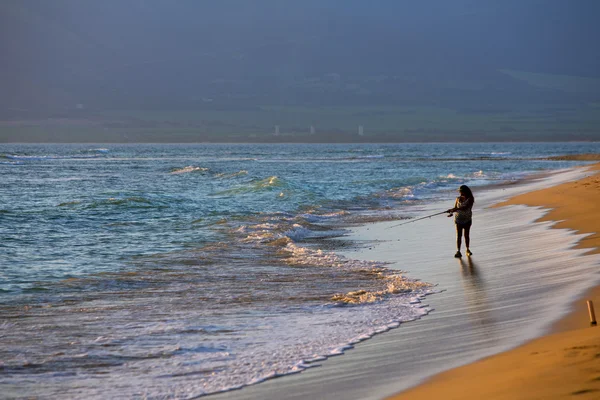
point(464, 214)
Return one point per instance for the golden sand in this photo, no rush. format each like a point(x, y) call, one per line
point(565, 364)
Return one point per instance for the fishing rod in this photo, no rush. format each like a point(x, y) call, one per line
point(418, 219)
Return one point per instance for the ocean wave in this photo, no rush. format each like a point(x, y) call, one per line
point(113, 200)
point(489, 153)
point(394, 284)
point(224, 175)
point(308, 159)
point(266, 184)
point(132, 202)
point(49, 157)
point(69, 203)
point(35, 289)
point(278, 229)
point(473, 175)
point(300, 255)
point(401, 193)
point(259, 233)
point(125, 202)
point(373, 156)
point(316, 218)
point(271, 181)
point(273, 233)
point(188, 169)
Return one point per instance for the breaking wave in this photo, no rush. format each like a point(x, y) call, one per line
point(188, 169)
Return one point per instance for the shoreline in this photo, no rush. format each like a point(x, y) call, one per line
point(482, 308)
point(564, 361)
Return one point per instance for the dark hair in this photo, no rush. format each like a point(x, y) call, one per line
point(464, 189)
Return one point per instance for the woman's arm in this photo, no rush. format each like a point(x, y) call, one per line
point(455, 208)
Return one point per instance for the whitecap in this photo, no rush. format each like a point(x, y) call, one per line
point(188, 169)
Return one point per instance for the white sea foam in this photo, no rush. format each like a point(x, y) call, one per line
point(374, 156)
point(188, 169)
point(403, 192)
point(315, 218)
point(300, 255)
point(298, 232)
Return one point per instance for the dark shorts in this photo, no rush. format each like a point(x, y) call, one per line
point(466, 225)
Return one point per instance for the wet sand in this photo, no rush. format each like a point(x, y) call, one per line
point(522, 277)
point(565, 364)
point(574, 204)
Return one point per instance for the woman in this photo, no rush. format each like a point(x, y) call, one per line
point(463, 217)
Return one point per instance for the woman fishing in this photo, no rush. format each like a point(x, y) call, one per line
point(463, 218)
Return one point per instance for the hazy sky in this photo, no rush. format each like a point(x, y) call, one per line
point(134, 54)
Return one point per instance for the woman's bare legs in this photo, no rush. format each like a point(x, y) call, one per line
point(459, 233)
point(468, 239)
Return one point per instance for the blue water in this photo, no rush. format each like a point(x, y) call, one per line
point(178, 270)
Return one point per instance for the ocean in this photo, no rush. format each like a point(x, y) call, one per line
point(151, 270)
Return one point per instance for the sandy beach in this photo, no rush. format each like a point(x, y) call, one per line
point(559, 365)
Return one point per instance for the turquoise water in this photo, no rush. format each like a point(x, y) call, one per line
point(178, 270)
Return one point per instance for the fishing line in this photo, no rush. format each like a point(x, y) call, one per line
point(418, 219)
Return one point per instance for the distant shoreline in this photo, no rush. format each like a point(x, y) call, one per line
point(305, 124)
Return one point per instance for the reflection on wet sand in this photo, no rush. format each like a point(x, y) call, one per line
point(476, 299)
